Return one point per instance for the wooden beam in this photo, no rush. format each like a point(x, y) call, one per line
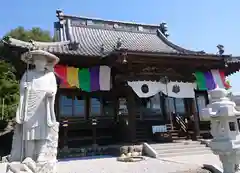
point(177, 55)
point(123, 78)
point(170, 58)
point(139, 63)
point(131, 115)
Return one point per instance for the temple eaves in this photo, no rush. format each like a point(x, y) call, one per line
point(73, 48)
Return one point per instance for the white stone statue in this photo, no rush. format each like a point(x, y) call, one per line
point(225, 126)
point(36, 132)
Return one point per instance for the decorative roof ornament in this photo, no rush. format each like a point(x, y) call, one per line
point(59, 14)
point(124, 54)
point(102, 51)
point(73, 45)
point(102, 48)
point(33, 45)
point(164, 29)
point(220, 49)
point(119, 43)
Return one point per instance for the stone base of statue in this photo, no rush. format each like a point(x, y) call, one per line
point(229, 162)
point(47, 158)
point(28, 166)
point(15, 154)
point(47, 167)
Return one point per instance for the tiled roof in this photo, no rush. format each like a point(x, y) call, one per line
point(232, 60)
point(91, 40)
point(96, 37)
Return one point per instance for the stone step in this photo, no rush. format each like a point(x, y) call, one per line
point(177, 147)
point(176, 144)
point(178, 137)
point(182, 150)
point(185, 153)
point(174, 133)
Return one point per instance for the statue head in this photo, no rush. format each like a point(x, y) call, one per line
point(41, 59)
point(40, 62)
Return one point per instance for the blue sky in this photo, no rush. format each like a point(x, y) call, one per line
point(193, 24)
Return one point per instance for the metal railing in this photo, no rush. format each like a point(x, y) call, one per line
point(181, 123)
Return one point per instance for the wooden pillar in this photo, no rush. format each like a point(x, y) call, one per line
point(63, 124)
point(164, 109)
point(195, 117)
point(131, 115)
point(65, 134)
point(56, 105)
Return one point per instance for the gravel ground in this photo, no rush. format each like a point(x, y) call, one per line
point(110, 165)
point(210, 159)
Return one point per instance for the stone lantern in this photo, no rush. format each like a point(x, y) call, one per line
point(225, 125)
point(236, 99)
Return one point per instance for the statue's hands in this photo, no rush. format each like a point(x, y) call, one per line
point(18, 121)
point(18, 117)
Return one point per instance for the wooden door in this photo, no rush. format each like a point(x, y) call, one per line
point(101, 115)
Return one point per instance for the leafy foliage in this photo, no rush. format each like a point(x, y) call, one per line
point(36, 34)
point(12, 66)
point(9, 90)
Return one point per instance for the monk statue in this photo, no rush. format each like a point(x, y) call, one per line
point(36, 133)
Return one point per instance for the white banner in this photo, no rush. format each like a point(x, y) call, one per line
point(180, 90)
point(153, 88)
point(146, 89)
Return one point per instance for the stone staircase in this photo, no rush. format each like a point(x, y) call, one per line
point(180, 148)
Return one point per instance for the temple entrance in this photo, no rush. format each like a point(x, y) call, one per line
point(86, 118)
point(102, 116)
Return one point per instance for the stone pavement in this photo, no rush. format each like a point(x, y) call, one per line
point(110, 165)
point(210, 159)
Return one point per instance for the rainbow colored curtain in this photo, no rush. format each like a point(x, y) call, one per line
point(87, 79)
point(211, 79)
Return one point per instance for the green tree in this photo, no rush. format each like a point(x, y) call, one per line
point(36, 34)
point(9, 90)
point(11, 68)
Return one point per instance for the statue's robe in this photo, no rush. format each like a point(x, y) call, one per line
point(34, 126)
